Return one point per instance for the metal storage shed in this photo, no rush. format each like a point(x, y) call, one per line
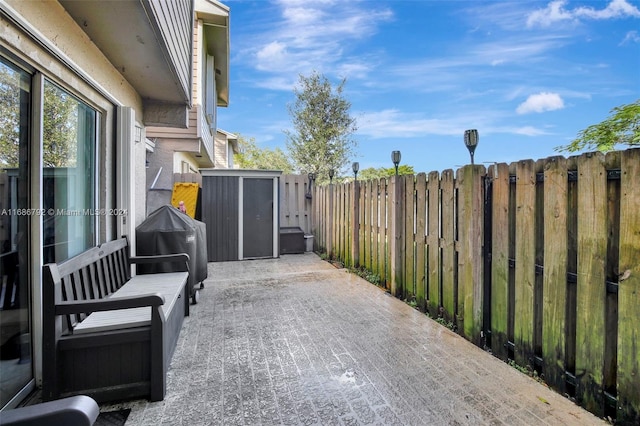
point(241, 211)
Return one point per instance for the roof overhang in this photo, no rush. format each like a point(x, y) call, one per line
point(215, 18)
point(131, 35)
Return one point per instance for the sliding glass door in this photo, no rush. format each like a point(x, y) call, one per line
point(64, 154)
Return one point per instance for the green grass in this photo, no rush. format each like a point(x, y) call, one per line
point(373, 278)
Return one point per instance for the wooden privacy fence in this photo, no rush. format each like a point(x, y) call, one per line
point(295, 206)
point(539, 261)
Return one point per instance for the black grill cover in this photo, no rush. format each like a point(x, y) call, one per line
point(169, 231)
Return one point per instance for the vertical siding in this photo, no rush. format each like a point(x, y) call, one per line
point(198, 35)
point(174, 24)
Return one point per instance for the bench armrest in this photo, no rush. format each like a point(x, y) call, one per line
point(110, 304)
point(76, 410)
point(180, 257)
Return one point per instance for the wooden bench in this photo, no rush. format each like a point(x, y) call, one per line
point(107, 334)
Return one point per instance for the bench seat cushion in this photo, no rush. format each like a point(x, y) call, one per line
point(170, 285)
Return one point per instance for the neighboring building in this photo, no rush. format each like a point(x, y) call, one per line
point(225, 147)
point(180, 151)
point(81, 82)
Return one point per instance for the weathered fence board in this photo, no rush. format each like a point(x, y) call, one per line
point(355, 214)
point(409, 238)
point(366, 262)
point(421, 217)
point(555, 272)
point(375, 226)
point(433, 245)
point(499, 260)
point(361, 220)
point(448, 217)
point(382, 249)
point(538, 267)
point(628, 353)
point(396, 246)
point(591, 288)
point(524, 261)
point(470, 298)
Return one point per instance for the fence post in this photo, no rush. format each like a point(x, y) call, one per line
point(470, 264)
point(396, 241)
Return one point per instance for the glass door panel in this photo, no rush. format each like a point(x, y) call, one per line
point(68, 155)
point(15, 308)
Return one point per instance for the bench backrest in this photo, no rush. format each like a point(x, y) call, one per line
point(93, 274)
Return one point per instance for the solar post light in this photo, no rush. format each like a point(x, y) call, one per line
point(331, 173)
point(471, 141)
point(395, 157)
point(355, 166)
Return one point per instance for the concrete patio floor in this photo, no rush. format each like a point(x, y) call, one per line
point(296, 341)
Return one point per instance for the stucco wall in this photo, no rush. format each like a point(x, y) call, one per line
point(179, 157)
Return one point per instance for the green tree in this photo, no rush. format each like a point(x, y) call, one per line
point(253, 157)
point(321, 139)
point(373, 173)
point(621, 127)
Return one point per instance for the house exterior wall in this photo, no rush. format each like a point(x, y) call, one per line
point(221, 152)
point(41, 37)
point(178, 163)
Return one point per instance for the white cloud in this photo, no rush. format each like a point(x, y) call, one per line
point(394, 123)
point(541, 102)
point(555, 12)
point(631, 37)
point(316, 35)
point(529, 131)
point(271, 55)
point(615, 9)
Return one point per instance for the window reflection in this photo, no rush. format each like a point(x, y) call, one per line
point(69, 140)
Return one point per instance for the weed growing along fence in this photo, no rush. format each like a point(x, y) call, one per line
point(537, 261)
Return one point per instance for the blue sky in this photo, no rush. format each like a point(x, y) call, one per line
point(528, 75)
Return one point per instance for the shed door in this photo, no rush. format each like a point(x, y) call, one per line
point(257, 218)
